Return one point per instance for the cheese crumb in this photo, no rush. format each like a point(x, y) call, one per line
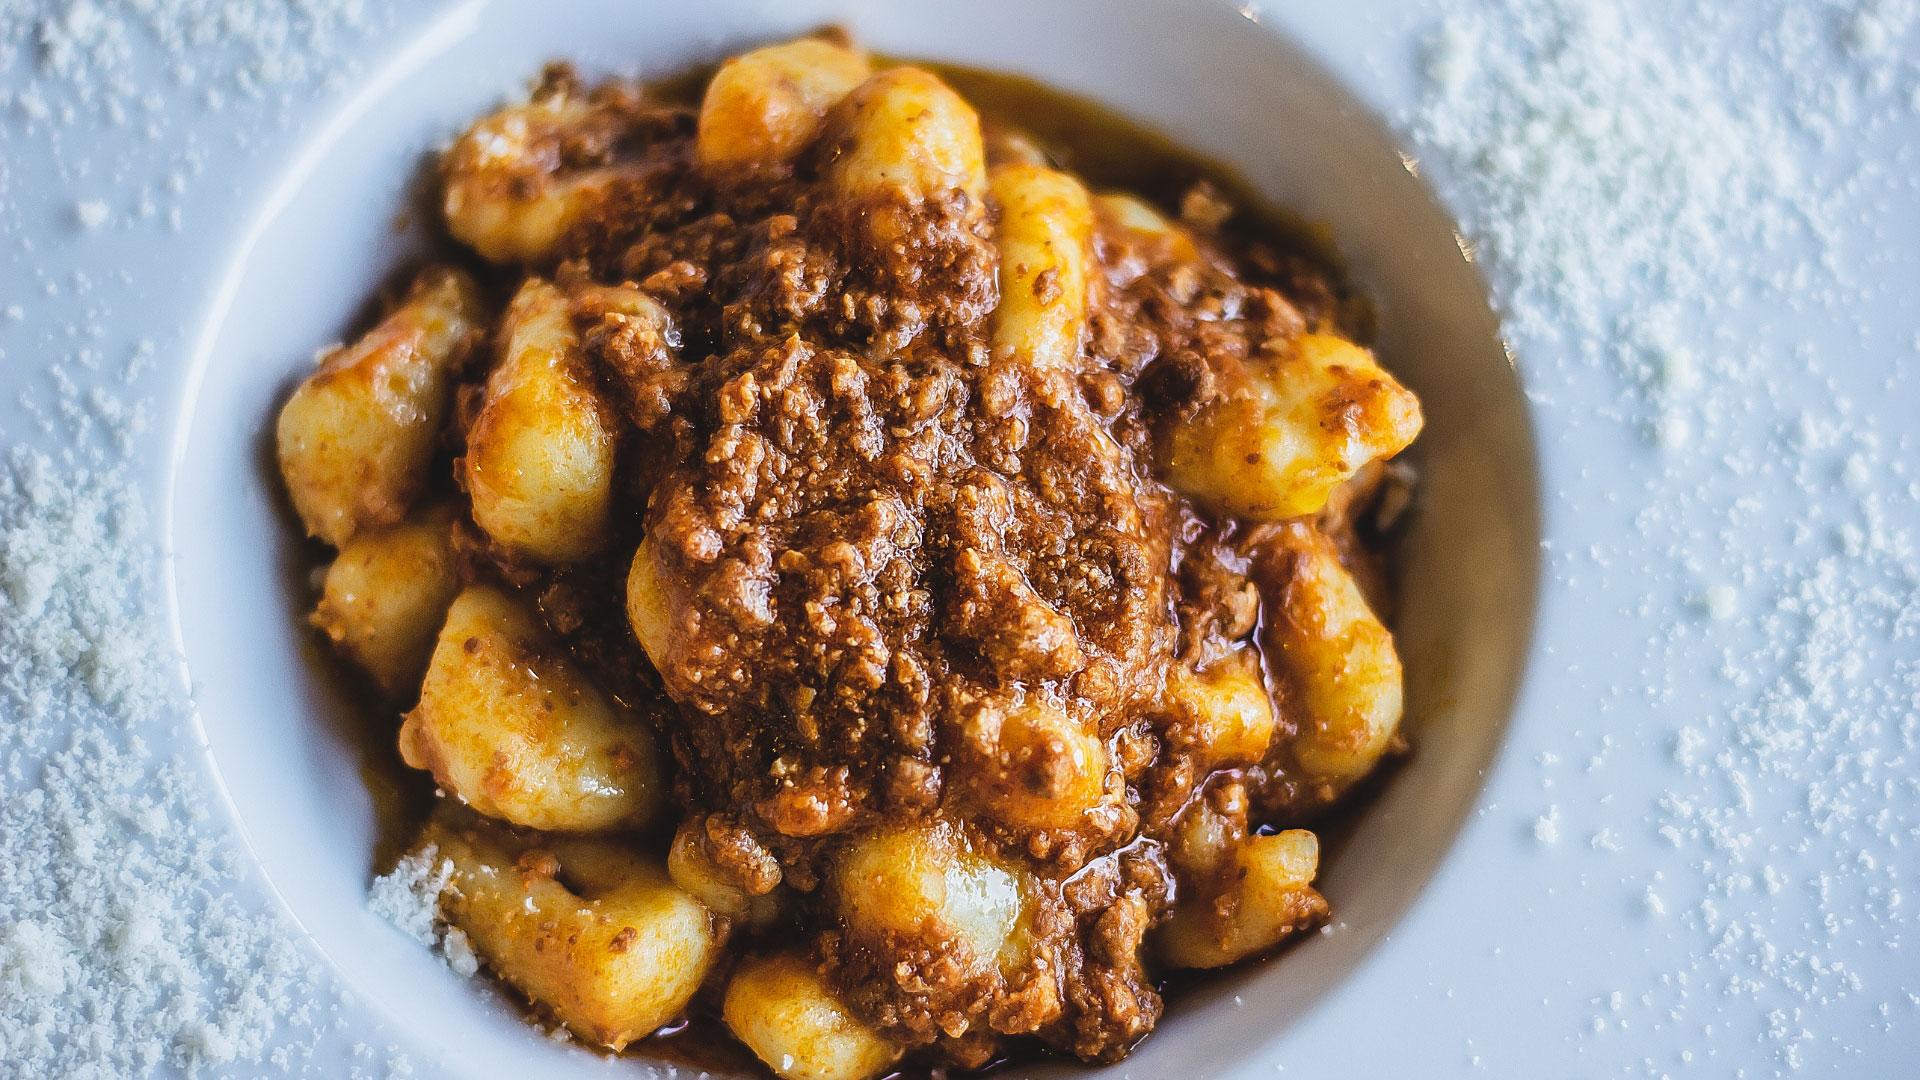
point(408, 896)
point(1720, 602)
point(132, 942)
point(1546, 827)
point(91, 214)
point(458, 950)
point(1662, 219)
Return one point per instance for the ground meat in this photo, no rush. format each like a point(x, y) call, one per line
point(872, 530)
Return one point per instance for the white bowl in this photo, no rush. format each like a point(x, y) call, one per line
point(289, 747)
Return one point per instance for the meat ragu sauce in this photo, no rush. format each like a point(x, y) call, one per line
point(969, 567)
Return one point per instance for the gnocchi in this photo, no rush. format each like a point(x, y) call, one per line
point(649, 610)
point(763, 106)
point(357, 437)
point(1337, 661)
point(1045, 227)
point(1223, 711)
point(909, 134)
point(589, 931)
point(1032, 765)
point(928, 882)
point(508, 187)
point(1268, 897)
point(1297, 421)
point(385, 595)
point(1140, 223)
point(514, 730)
point(694, 870)
point(790, 1018)
point(539, 460)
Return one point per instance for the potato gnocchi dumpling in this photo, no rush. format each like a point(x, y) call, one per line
point(908, 133)
point(590, 931)
point(791, 1019)
point(1031, 765)
point(1293, 423)
point(1337, 664)
point(1045, 229)
point(1223, 712)
point(357, 437)
point(869, 584)
point(1267, 896)
point(385, 595)
point(517, 182)
point(1138, 222)
point(518, 732)
point(931, 882)
point(649, 610)
point(764, 106)
point(695, 871)
point(539, 461)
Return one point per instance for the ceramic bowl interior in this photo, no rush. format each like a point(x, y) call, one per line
point(290, 747)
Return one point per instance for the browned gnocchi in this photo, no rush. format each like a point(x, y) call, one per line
point(539, 463)
point(788, 1015)
point(764, 106)
point(1299, 419)
point(1337, 667)
point(857, 584)
point(590, 930)
point(386, 594)
point(357, 437)
point(511, 727)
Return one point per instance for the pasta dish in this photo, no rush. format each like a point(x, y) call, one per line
point(851, 577)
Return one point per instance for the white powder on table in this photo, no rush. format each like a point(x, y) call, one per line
point(119, 951)
point(1652, 207)
point(1720, 602)
point(1546, 827)
point(91, 214)
point(129, 942)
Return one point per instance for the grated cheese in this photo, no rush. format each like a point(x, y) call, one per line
point(131, 942)
point(1649, 207)
point(408, 896)
point(90, 214)
point(119, 951)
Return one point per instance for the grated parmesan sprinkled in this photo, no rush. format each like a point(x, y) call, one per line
point(132, 938)
point(119, 951)
point(408, 896)
point(1661, 216)
point(90, 214)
